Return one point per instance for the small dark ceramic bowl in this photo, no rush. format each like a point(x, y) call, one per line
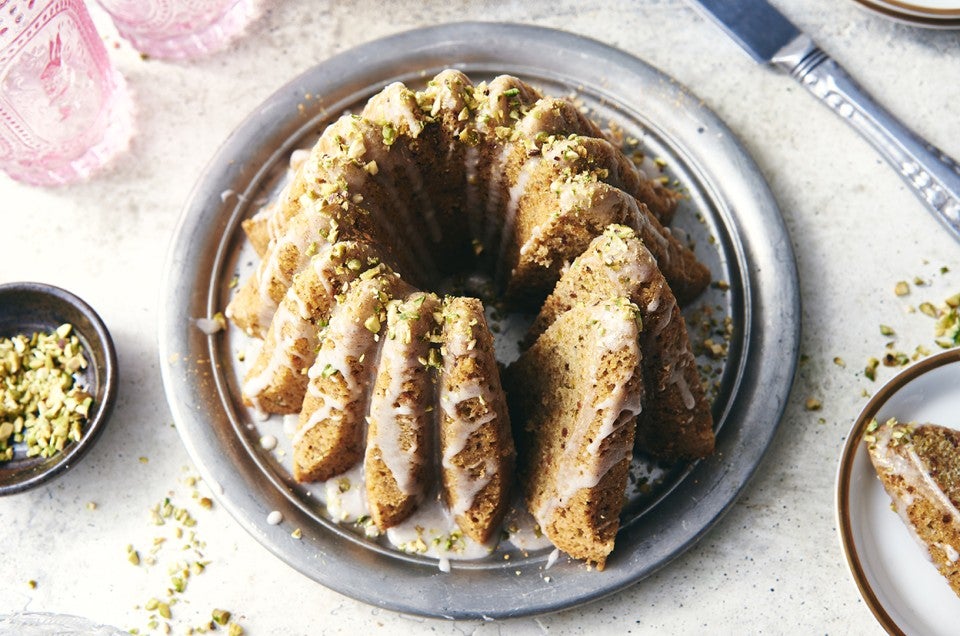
point(26, 308)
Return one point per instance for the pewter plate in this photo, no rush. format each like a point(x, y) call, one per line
point(729, 214)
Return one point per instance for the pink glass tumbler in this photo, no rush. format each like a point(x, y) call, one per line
point(179, 29)
point(64, 110)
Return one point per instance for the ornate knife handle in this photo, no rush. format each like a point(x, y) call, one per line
point(932, 175)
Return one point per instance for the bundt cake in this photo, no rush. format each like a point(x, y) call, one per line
point(399, 387)
point(919, 466)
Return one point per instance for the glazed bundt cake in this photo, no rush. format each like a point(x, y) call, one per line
point(458, 179)
point(919, 466)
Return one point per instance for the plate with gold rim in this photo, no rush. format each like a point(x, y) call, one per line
point(727, 211)
point(935, 14)
point(891, 570)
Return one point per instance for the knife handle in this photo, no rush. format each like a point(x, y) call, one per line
point(933, 176)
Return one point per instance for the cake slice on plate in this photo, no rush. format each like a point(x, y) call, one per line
point(919, 465)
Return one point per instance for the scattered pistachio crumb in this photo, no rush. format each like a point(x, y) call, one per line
point(32, 584)
point(887, 330)
point(928, 309)
point(221, 617)
point(902, 288)
point(813, 404)
point(840, 362)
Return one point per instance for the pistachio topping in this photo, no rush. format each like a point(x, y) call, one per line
point(40, 402)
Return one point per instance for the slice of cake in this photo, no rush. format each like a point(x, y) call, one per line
point(400, 426)
point(330, 437)
point(476, 447)
point(277, 380)
point(919, 466)
point(676, 422)
point(582, 393)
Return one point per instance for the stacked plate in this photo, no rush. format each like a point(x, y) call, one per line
point(935, 14)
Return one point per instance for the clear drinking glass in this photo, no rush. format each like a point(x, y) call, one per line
point(179, 28)
point(64, 110)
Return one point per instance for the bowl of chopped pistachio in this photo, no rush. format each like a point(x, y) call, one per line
point(57, 382)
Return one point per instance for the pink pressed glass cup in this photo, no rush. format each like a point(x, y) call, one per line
point(179, 28)
point(64, 110)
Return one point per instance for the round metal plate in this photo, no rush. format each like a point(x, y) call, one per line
point(729, 213)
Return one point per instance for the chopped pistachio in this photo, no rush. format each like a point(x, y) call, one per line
point(389, 134)
point(887, 330)
point(871, 369)
point(813, 404)
point(221, 617)
point(40, 402)
point(372, 323)
point(902, 288)
point(928, 309)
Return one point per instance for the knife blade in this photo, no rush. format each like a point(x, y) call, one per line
point(770, 38)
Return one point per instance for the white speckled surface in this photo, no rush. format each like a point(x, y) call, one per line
point(773, 564)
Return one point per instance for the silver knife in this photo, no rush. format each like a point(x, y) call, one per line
point(770, 38)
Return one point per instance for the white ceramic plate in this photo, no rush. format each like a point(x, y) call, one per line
point(942, 14)
point(896, 579)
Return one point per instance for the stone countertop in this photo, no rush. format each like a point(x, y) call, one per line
point(772, 564)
